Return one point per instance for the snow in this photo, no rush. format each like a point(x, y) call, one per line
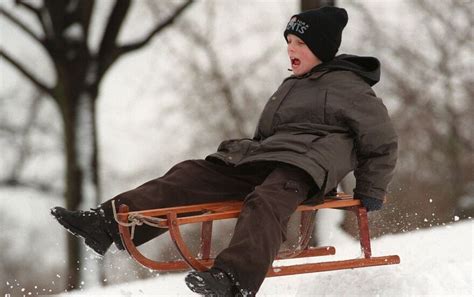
point(434, 262)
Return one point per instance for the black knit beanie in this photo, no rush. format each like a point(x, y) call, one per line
point(320, 29)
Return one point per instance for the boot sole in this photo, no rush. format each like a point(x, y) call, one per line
point(94, 245)
point(198, 285)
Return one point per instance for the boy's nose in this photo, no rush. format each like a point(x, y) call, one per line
point(290, 48)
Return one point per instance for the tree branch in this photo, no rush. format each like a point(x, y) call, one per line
point(28, 6)
point(36, 11)
point(85, 11)
point(28, 75)
point(21, 26)
point(217, 75)
point(107, 49)
point(23, 150)
point(136, 45)
point(45, 188)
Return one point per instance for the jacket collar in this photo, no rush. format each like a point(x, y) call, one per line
point(318, 74)
point(313, 75)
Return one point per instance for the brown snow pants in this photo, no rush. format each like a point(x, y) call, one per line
point(271, 192)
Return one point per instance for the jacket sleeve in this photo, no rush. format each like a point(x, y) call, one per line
point(376, 144)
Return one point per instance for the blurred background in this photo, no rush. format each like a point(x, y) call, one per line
point(98, 97)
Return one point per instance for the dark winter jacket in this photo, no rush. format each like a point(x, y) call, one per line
point(328, 122)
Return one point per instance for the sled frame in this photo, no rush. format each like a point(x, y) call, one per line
point(174, 217)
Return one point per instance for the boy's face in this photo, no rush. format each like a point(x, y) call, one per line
point(301, 57)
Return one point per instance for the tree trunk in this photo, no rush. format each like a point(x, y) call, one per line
point(65, 26)
point(315, 4)
point(73, 190)
point(82, 179)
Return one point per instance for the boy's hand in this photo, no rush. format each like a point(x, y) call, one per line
point(369, 202)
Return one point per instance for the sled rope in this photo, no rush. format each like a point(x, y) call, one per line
point(136, 219)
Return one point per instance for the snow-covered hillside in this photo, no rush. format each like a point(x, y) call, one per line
point(434, 262)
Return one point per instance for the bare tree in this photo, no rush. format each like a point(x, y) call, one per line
point(65, 28)
point(20, 140)
point(219, 94)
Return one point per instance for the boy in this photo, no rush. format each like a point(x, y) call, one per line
point(322, 122)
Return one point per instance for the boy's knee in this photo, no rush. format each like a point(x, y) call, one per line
point(294, 186)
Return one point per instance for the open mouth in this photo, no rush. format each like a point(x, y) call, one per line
point(295, 62)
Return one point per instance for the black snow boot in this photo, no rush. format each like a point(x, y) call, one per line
point(87, 224)
point(211, 283)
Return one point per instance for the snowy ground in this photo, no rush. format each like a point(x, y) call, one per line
point(434, 262)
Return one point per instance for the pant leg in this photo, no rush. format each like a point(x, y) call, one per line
point(262, 226)
point(189, 182)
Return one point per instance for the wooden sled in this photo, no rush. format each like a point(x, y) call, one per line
point(207, 213)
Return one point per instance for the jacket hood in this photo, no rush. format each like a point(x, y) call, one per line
point(368, 68)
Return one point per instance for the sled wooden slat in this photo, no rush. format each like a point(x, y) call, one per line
point(140, 258)
point(173, 217)
point(216, 206)
point(309, 252)
point(206, 240)
point(181, 246)
point(332, 265)
point(222, 210)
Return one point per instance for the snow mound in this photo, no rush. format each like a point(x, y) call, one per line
point(434, 262)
